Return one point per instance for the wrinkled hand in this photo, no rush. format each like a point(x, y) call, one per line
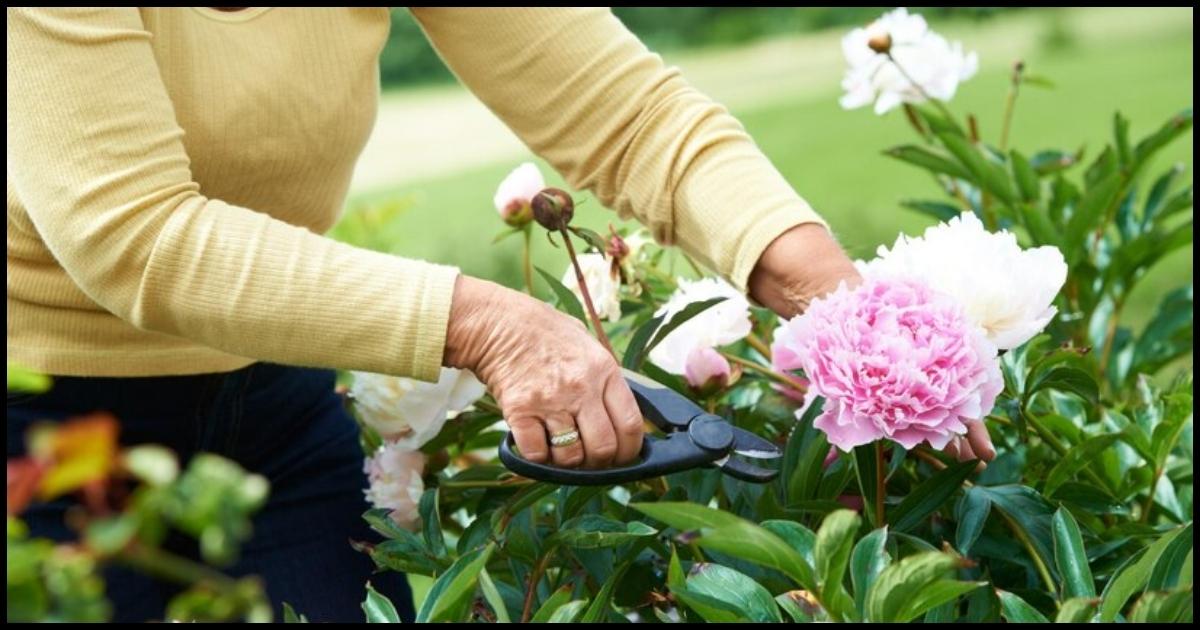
point(976, 444)
point(548, 373)
point(799, 266)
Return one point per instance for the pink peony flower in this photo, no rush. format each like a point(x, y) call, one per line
point(396, 484)
point(893, 359)
point(706, 368)
point(513, 196)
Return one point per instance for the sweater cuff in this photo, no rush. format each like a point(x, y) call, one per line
point(431, 328)
point(762, 233)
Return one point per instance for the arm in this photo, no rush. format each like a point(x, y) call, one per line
point(585, 93)
point(95, 155)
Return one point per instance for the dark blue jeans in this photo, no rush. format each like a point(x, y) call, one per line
point(285, 423)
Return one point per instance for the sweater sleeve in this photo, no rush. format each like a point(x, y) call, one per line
point(585, 94)
point(95, 154)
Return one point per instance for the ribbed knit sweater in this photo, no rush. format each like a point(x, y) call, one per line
point(170, 173)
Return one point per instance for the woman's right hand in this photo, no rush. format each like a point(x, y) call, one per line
point(548, 373)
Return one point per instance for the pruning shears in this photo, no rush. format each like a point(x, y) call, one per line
point(693, 438)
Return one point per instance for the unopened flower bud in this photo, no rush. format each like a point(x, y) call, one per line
point(553, 209)
point(617, 249)
point(880, 42)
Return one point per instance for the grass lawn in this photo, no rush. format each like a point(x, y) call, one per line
point(1121, 60)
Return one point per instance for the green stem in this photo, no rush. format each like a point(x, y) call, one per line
point(765, 371)
point(534, 578)
point(1010, 105)
point(587, 296)
point(880, 485)
point(1033, 554)
point(941, 106)
point(1145, 516)
point(527, 259)
point(159, 563)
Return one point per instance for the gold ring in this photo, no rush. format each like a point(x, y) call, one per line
point(564, 438)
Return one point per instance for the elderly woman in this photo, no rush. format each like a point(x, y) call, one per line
point(170, 172)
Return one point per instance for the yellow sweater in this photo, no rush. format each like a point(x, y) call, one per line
point(170, 172)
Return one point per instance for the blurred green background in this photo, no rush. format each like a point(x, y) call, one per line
point(425, 183)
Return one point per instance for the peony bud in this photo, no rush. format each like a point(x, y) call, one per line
point(513, 196)
point(553, 209)
point(707, 372)
point(880, 43)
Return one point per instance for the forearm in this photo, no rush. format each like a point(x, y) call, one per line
point(799, 266)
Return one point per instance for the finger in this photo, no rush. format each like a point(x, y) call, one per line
point(530, 436)
point(568, 455)
point(980, 441)
point(951, 448)
point(626, 419)
point(599, 439)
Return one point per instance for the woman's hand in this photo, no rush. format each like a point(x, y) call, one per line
point(799, 266)
point(548, 373)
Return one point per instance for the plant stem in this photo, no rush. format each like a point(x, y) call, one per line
point(1145, 515)
point(1033, 554)
point(1010, 104)
point(1109, 334)
point(880, 485)
point(534, 578)
point(159, 563)
point(759, 345)
point(766, 371)
point(527, 259)
point(587, 296)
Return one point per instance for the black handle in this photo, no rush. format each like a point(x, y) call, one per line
point(659, 457)
point(666, 408)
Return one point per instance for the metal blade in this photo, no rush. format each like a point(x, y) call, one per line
point(748, 444)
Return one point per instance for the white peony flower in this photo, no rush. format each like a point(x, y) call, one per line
point(515, 192)
point(394, 473)
point(718, 325)
point(603, 285)
point(411, 412)
point(934, 64)
point(1006, 290)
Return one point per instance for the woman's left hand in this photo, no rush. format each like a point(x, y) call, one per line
point(806, 263)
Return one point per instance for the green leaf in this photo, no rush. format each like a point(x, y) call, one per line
point(1070, 557)
point(749, 598)
point(594, 531)
point(711, 609)
point(1050, 162)
point(451, 593)
point(1163, 608)
point(1169, 570)
point(431, 522)
point(1025, 176)
point(726, 533)
point(1176, 417)
point(835, 539)
point(680, 318)
point(566, 298)
point(929, 496)
point(1067, 379)
point(971, 512)
point(602, 602)
point(379, 609)
point(866, 468)
point(809, 446)
point(1029, 511)
point(900, 582)
point(1121, 137)
point(1077, 610)
point(797, 605)
point(936, 594)
point(1017, 610)
point(493, 597)
point(568, 611)
point(801, 538)
point(22, 379)
point(989, 176)
point(552, 603)
point(290, 615)
point(591, 237)
point(1089, 213)
point(928, 159)
point(939, 210)
point(1077, 458)
point(1157, 198)
point(1133, 577)
point(1151, 144)
point(867, 561)
point(635, 352)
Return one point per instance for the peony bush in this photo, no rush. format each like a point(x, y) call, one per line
point(1005, 317)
